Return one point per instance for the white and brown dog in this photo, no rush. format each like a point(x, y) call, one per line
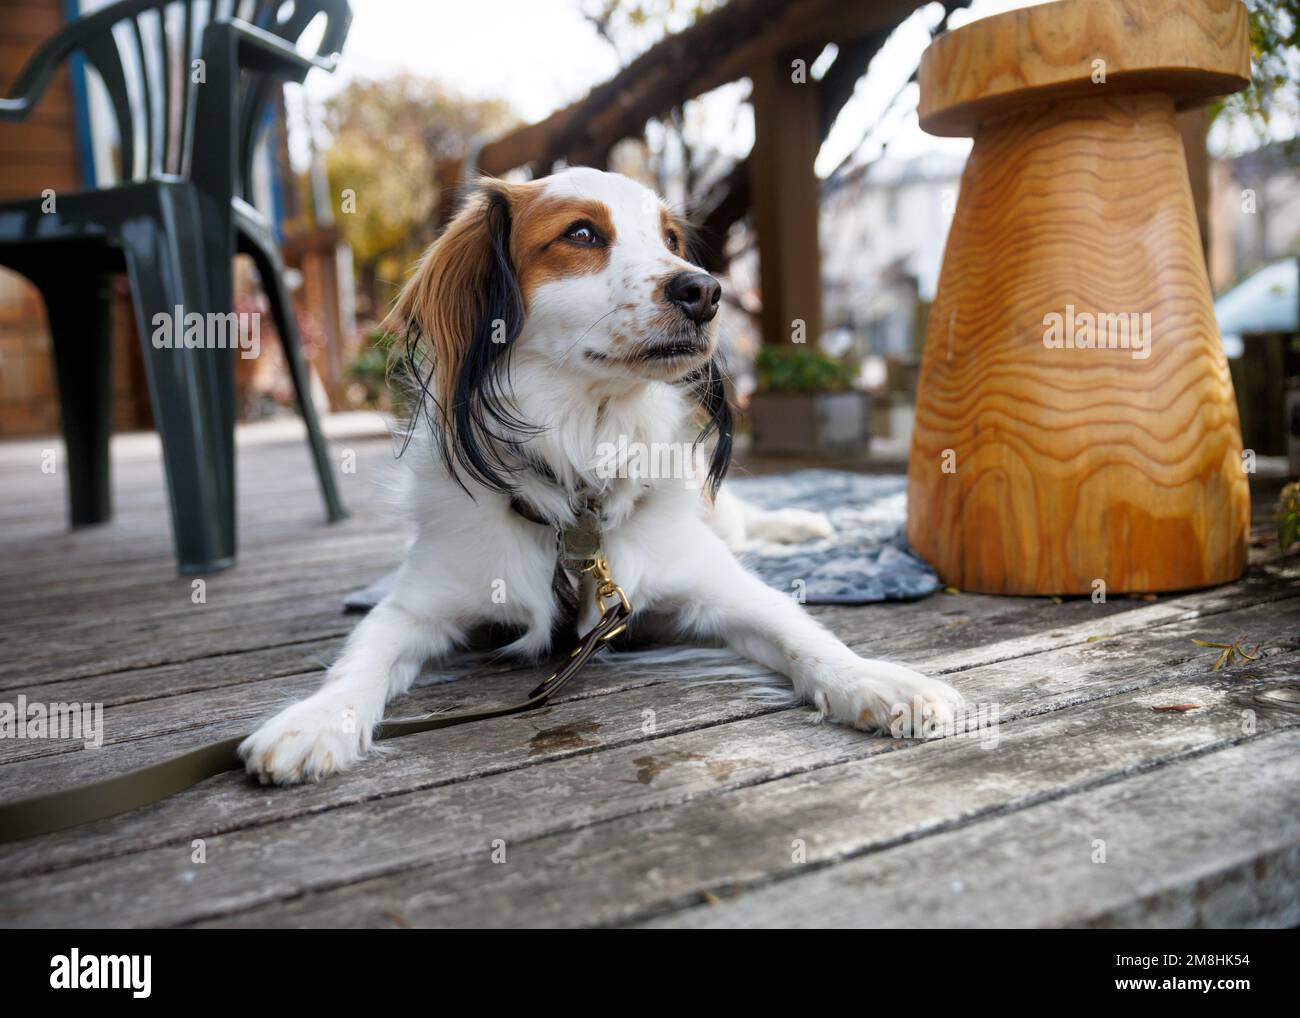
point(554, 326)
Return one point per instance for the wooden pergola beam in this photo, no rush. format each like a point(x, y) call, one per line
point(719, 48)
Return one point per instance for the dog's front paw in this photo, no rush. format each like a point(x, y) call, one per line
point(792, 526)
point(881, 696)
point(306, 742)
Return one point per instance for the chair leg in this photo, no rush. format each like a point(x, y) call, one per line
point(271, 271)
point(194, 420)
point(77, 309)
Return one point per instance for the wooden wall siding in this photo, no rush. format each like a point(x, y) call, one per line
point(41, 151)
point(27, 398)
point(38, 153)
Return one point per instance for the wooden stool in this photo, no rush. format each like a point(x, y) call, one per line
point(1041, 464)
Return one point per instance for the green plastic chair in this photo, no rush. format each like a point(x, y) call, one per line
point(174, 225)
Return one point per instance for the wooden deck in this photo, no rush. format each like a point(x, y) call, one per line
point(640, 798)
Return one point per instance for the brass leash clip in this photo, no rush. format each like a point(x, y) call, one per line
point(607, 589)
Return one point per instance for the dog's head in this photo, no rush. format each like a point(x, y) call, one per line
point(584, 270)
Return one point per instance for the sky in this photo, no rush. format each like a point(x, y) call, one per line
point(542, 54)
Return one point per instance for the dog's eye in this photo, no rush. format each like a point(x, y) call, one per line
point(583, 233)
point(673, 242)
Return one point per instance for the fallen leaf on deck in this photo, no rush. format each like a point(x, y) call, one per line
point(1098, 639)
point(1230, 651)
point(1178, 708)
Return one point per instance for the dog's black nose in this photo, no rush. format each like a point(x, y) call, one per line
point(696, 293)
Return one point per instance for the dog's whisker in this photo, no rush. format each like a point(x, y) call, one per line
point(586, 332)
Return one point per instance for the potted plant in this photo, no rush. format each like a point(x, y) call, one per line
point(806, 403)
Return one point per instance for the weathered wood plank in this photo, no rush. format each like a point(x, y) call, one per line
point(277, 501)
point(118, 689)
point(111, 552)
point(143, 586)
point(478, 681)
point(174, 611)
point(1184, 847)
point(138, 493)
point(140, 645)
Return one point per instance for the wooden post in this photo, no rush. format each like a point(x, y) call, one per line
point(314, 253)
point(785, 200)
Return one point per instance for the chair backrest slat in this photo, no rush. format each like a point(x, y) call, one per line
point(168, 68)
point(146, 98)
point(166, 83)
point(103, 54)
point(187, 48)
point(145, 54)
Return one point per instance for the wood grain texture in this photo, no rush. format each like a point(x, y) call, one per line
point(1190, 50)
point(1066, 466)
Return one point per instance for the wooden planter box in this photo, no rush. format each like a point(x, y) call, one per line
point(801, 423)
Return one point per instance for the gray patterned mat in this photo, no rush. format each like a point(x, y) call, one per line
point(867, 560)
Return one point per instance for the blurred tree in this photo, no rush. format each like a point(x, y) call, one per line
point(386, 136)
point(1275, 66)
point(630, 27)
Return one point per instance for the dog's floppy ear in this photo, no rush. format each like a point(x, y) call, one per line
point(462, 286)
point(460, 312)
